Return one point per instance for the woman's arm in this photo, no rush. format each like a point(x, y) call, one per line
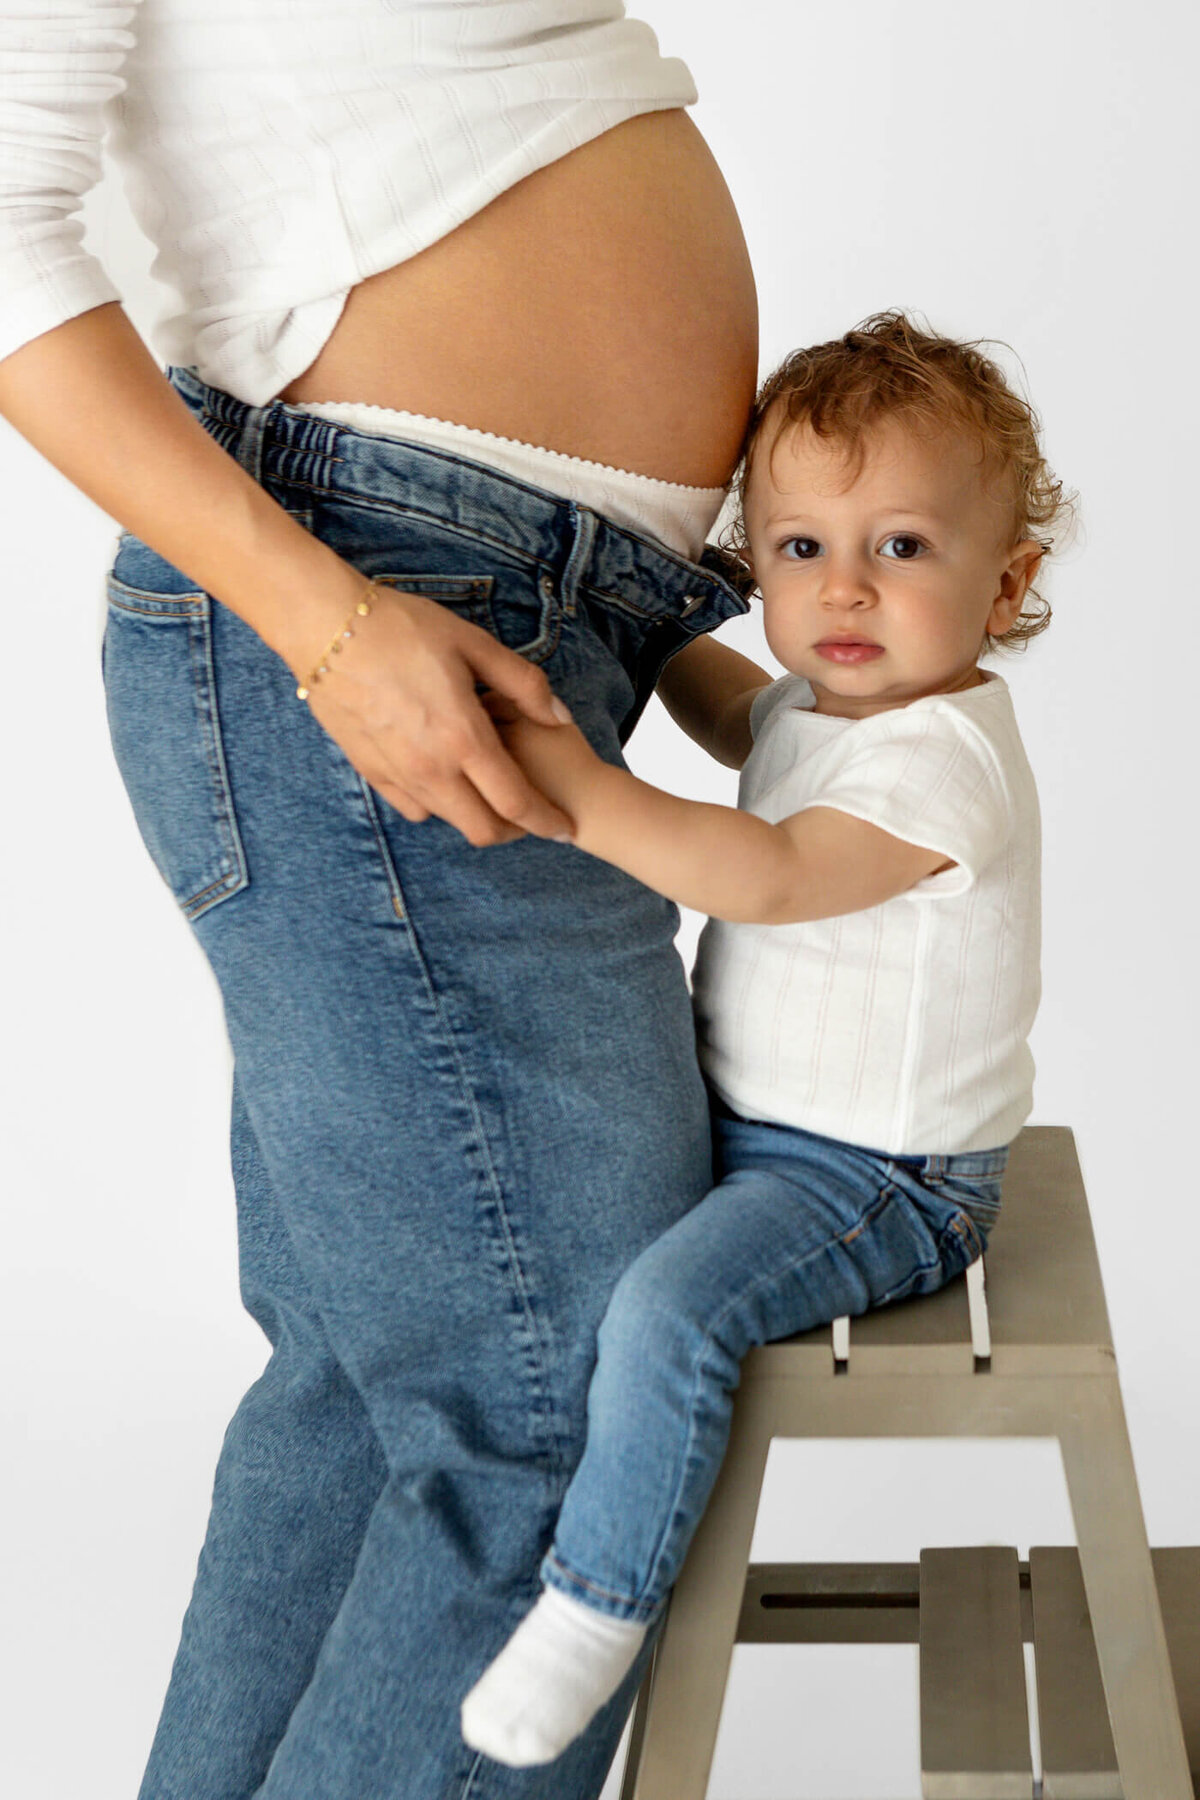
point(77, 381)
point(402, 699)
point(708, 690)
point(814, 865)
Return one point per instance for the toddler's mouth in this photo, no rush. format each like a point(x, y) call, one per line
point(848, 649)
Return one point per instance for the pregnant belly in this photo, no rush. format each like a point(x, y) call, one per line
point(603, 307)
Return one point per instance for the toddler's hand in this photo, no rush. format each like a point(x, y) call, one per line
point(557, 758)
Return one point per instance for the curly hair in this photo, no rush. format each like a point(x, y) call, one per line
point(891, 367)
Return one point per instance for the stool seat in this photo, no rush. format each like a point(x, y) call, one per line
point(914, 1370)
point(1045, 1298)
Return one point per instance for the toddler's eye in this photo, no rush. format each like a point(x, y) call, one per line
point(903, 547)
point(801, 549)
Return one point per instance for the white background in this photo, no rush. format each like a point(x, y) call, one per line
point(1024, 174)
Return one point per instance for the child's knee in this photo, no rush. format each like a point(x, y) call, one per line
point(653, 1317)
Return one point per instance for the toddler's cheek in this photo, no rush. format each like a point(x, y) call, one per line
point(785, 638)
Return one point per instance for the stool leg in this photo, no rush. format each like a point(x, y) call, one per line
point(691, 1663)
point(637, 1730)
point(1122, 1598)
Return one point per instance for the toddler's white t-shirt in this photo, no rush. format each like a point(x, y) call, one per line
point(903, 1027)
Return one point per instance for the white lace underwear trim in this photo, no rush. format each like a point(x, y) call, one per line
point(675, 515)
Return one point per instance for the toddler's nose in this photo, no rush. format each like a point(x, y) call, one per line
point(847, 585)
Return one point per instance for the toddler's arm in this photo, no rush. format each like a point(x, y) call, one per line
point(708, 690)
point(816, 864)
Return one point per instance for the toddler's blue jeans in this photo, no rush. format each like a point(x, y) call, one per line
point(465, 1098)
point(800, 1230)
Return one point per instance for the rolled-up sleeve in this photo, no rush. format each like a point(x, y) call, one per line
point(60, 64)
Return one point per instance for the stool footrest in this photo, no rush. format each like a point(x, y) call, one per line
point(970, 1611)
point(1078, 1758)
point(974, 1712)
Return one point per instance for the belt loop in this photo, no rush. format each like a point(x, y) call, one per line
point(584, 523)
point(251, 440)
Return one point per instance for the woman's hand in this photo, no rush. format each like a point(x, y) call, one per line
point(561, 763)
point(400, 700)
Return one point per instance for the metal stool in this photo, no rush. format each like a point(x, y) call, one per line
point(926, 1368)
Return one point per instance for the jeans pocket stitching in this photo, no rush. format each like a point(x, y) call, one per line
point(224, 819)
point(193, 612)
point(149, 605)
point(473, 588)
point(474, 595)
point(541, 648)
point(469, 596)
point(971, 1236)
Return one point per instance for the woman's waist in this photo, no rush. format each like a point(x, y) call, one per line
point(348, 485)
point(603, 308)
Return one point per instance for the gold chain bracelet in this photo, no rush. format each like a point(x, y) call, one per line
point(347, 631)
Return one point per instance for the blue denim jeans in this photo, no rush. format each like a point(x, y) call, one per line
point(800, 1230)
point(465, 1098)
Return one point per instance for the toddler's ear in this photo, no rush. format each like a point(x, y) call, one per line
point(1016, 578)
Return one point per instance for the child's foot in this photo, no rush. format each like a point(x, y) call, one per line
point(556, 1671)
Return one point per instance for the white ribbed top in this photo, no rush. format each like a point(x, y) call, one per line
point(903, 1027)
point(279, 151)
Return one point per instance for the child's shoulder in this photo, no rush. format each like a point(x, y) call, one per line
point(790, 693)
point(984, 712)
point(973, 726)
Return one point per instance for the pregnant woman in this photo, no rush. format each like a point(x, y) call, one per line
point(460, 347)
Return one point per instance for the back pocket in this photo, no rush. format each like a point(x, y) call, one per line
point(160, 690)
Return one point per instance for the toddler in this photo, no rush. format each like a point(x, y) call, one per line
point(867, 980)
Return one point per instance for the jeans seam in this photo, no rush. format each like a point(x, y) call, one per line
point(469, 1787)
point(385, 856)
point(535, 1348)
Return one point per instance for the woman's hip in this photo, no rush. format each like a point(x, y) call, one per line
point(429, 1036)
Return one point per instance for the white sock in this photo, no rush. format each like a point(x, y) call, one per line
point(556, 1671)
